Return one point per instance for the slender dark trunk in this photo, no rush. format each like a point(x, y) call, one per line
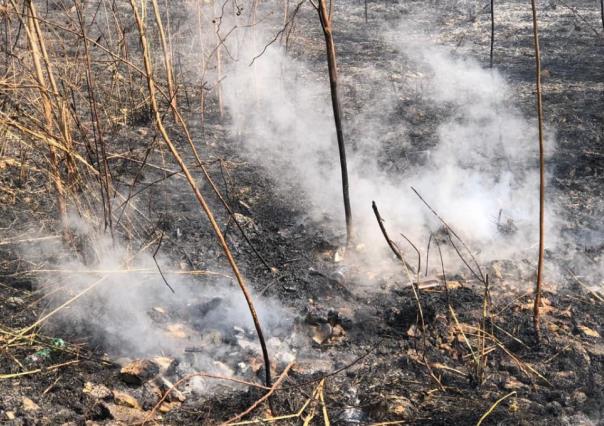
point(493, 32)
point(541, 173)
point(333, 81)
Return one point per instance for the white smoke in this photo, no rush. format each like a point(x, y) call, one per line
point(480, 159)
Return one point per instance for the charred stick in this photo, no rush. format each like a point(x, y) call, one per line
point(157, 264)
point(391, 243)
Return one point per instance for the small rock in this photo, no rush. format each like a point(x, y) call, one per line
point(579, 397)
point(29, 405)
point(223, 369)
point(10, 415)
point(321, 333)
point(338, 330)
point(338, 276)
point(126, 415)
point(167, 366)
point(399, 406)
point(139, 371)
point(97, 391)
point(125, 399)
point(513, 384)
point(413, 331)
point(596, 351)
point(15, 302)
point(554, 407)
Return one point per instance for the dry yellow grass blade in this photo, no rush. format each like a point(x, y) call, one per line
point(490, 410)
point(38, 370)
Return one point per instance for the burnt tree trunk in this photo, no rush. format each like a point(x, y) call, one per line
point(493, 32)
point(325, 19)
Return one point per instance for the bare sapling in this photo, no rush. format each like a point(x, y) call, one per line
point(326, 24)
point(492, 33)
point(157, 116)
point(537, 302)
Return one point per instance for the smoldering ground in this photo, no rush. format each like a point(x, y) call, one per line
point(477, 166)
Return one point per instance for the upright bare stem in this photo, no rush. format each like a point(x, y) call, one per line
point(325, 19)
point(492, 32)
point(541, 173)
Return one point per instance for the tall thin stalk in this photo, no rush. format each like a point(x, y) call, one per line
point(536, 318)
point(167, 55)
point(201, 200)
point(492, 32)
point(326, 24)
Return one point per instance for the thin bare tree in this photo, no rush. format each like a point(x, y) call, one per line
point(326, 24)
point(536, 318)
point(492, 32)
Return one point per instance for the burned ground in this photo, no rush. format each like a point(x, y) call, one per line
point(358, 335)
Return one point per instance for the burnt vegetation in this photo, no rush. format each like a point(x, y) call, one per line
point(177, 188)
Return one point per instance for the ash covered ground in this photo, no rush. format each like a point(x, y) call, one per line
point(421, 108)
